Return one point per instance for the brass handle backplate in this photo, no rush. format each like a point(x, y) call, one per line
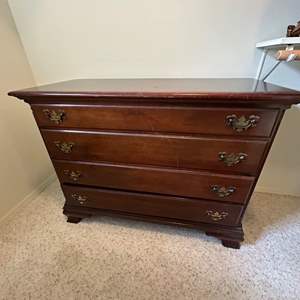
point(242, 123)
point(55, 116)
point(74, 175)
point(81, 199)
point(64, 146)
point(217, 216)
point(222, 191)
point(232, 159)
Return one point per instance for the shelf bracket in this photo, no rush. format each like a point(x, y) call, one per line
point(262, 63)
point(263, 60)
point(272, 70)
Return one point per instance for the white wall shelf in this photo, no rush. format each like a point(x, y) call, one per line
point(288, 43)
point(279, 43)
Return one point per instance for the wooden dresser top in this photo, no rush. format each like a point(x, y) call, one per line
point(214, 90)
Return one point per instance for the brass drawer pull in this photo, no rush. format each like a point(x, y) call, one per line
point(55, 116)
point(232, 158)
point(74, 175)
point(64, 146)
point(242, 123)
point(222, 191)
point(217, 216)
point(79, 198)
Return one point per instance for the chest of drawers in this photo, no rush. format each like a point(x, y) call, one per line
point(175, 151)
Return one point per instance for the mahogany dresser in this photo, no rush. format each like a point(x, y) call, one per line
point(176, 151)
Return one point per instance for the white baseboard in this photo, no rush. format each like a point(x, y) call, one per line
point(29, 198)
point(274, 190)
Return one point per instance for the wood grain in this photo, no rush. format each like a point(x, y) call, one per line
point(149, 149)
point(154, 205)
point(160, 150)
point(172, 119)
point(232, 91)
point(155, 180)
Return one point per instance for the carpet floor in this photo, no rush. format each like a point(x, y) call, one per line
point(44, 257)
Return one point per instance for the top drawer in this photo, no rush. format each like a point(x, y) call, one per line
point(173, 119)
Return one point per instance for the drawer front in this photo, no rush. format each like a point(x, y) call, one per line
point(154, 205)
point(156, 180)
point(239, 156)
point(226, 121)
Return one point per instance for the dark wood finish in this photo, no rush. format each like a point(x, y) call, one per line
point(231, 244)
point(231, 91)
point(293, 30)
point(74, 220)
point(228, 233)
point(160, 150)
point(154, 180)
point(149, 149)
point(191, 120)
point(155, 205)
point(229, 240)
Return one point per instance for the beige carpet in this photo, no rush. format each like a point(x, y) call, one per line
point(44, 257)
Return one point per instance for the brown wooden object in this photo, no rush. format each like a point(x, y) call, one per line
point(293, 30)
point(285, 54)
point(176, 151)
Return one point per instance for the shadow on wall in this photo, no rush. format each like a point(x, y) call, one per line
point(263, 216)
point(274, 19)
point(288, 142)
point(287, 74)
point(281, 173)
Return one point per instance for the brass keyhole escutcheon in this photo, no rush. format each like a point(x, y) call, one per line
point(56, 117)
point(65, 147)
point(74, 175)
point(81, 199)
point(232, 159)
point(243, 123)
point(216, 215)
point(222, 191)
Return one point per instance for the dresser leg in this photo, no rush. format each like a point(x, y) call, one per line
point(74, 215)
point(230, 237)
point(74, 220)
point(231, 244)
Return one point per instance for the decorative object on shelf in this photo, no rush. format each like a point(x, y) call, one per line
point(232, 159)
point(216, 216)
point(288, 55)
point(64, 146)
point(79, 198)
point(55, 116)
point(222, 191)
point(293, 30)
point(242, 123)
point(74, 175)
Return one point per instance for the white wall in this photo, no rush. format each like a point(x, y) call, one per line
point(141, 38)
point(170, 38)
point(23, 160)
point(281, 173)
